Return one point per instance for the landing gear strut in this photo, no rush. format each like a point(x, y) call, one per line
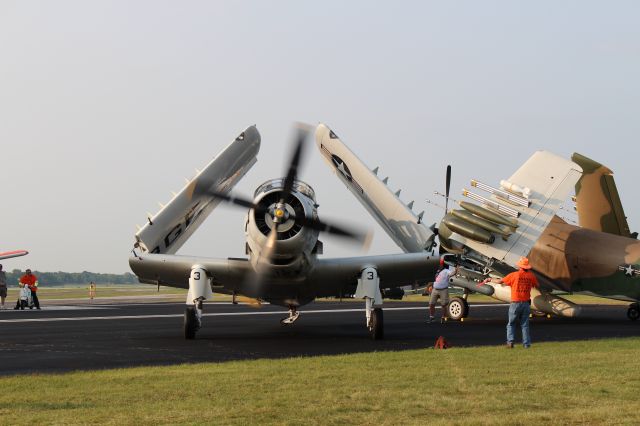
point(375, 323)
point(192, 321)
point(293, 316)
point(633, 313)
point(369, 290)
point(199, 291)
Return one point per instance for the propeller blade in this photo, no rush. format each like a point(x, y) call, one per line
point(256, 279)
point(302, 132)
point(321, 226)
point(238, 201)
point(447, 188)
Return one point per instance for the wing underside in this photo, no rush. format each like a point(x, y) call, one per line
point(544, 184)
point(328, 277)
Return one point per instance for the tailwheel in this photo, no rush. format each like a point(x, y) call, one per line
point(633, 313)
point(293, 316)
point(457, 309)
point(190, 323)
point(376, 324)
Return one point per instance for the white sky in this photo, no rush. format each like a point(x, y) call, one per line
point(105, 107)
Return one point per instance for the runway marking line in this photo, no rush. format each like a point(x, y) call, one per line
point(218, 314)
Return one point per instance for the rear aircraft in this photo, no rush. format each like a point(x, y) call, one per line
point(13, 253)
point(282, 227)
point(498, 224)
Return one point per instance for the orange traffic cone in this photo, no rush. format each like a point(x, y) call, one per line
point(441, 343)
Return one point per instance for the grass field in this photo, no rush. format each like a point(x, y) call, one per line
point(585, 382)
point(77, 292)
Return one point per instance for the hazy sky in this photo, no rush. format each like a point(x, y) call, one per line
point(105, 107)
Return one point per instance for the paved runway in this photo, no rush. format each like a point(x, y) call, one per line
point(81, 336)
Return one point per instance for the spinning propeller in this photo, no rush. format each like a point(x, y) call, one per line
point(281, 212)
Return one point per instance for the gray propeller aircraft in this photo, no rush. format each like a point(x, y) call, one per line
point(282, 227)
point(487, 235)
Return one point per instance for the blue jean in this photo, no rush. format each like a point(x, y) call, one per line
point(519, 313)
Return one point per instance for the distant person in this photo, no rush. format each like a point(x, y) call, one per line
point(440, 291)
point(3, 287)
point(92, 290)
point(521, 283)
point(31, 281)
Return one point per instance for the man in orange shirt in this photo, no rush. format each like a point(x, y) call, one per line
point(31, 280)
point(521, 283)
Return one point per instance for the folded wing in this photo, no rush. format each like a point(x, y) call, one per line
point(544, 182)
point(167, 230)
point(396, 218)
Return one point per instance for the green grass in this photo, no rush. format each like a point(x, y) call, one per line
point(54, 293)
point(585, 382)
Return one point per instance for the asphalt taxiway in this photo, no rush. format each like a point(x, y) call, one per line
point(81, 336)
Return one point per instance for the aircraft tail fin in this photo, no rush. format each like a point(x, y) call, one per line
point(597, 199)
point(166, 231)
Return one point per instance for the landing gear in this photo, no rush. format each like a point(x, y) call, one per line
point(191, 322)
point(293, 316)
point(199, 291)
point(369, 290)
point(457, 309)
point(633, 313)
point(376, 324)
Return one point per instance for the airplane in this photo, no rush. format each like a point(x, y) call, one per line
point(600, 257)
point(282, 227)
point(13, 253)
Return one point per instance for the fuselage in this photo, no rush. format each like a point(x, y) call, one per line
point(575, 259)
point(282, 269)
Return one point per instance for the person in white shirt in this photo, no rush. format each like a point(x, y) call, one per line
point(441, 291)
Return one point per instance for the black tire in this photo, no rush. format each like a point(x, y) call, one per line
point(633, 313)
point(190, 323)
point(466, 308)
point(457, 308)
point(23, 304)
point(377, 324)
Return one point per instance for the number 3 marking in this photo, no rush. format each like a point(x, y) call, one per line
point(369, 275)
point(196, 275)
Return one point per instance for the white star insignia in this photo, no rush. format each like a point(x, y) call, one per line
point(629, 270)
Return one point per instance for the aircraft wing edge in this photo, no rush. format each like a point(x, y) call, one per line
point(166, 231)
point(332, 277)
point(402, 225)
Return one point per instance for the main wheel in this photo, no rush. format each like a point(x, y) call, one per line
point(457, 308)
point(377, 324)
point(190, 323)
point(633, 313)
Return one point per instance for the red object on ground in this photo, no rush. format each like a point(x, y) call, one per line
point(441, 343)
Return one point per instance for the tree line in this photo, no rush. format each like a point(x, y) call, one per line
point(84, 277)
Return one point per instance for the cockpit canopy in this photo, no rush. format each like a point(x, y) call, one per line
point(298, 186)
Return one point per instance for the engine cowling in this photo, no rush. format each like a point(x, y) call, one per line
point(294, 241)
